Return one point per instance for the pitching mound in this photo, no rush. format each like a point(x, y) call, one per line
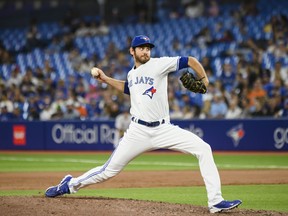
point(75, 205)
point(107, 207)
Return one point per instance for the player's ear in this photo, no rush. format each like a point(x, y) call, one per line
point(132, 50)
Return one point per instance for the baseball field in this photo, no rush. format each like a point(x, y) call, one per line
point(158, 183)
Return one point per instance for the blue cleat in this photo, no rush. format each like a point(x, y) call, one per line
point(60, 189)
point(225, 205)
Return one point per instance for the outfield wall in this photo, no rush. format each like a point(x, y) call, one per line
point(230, 135)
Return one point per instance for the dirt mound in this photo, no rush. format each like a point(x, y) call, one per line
point(75, 206)
point(78, 206)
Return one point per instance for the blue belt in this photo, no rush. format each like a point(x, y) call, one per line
point(148, 124)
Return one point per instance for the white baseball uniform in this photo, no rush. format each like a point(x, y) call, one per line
point(149, 103)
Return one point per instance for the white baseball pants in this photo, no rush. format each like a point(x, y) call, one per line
point(139, 139)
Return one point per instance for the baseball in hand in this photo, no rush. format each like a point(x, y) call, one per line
point(95, 72)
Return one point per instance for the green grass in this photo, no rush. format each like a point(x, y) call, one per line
point(257, 197)
point(81, 162)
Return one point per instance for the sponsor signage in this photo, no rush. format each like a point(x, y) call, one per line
point(224, 135)
point(241, 134)
point(19, 135)
point(22, 135)
point(80, 135)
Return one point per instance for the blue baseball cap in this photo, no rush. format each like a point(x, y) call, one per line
point(141, 40)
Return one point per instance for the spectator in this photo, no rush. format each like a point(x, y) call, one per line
point(194, 8)
point(93, 29)
point(207, 100)
point(218, 107)
point(275, 88)
point(93, 109)
point(27, 86)
point(81, 89)
point(58, 105)
point(86, 65)
point(15, 78)
point(272, 106)
point(103, 28)
point(92, 94)
point(206, 62)
point(122, 122)
point(6, 103)
point(234, 111)
point(33, 113)
point(284, 111)
point(112, 110)
point(244, 105)
point(83, 30)
point(257, 94)
point(175, 111)
point(17, 98)
point(46, 113)
point(17, 114)
point(5, 115)
point(82, 110)
point(228, 76)
point(58, 114)
point(71, 113)
point(75, 59)
point(5, 56)
point(279, 72)
point(257, 110)
point(280, 50)
point(188, 112)
point(203, 39)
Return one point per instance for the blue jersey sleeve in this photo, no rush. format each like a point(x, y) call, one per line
point(183, 63)
point(126, 88)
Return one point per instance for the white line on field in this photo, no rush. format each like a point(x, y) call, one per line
point(53, 160)
point(180, 164)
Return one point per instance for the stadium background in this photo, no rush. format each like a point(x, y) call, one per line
point(48, 48)
point(46, 53)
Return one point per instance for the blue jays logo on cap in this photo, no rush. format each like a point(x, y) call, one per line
point(141, 40)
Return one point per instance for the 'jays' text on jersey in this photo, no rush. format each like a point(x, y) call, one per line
point(148, 88)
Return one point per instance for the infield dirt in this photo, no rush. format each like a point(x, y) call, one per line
point(39, 205)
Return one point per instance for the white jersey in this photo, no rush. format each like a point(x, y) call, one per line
point(149, 102)
point(148, 88)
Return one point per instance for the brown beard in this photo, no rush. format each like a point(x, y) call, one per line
point(141, 59)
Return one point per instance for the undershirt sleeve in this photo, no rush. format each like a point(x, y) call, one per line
point(126, 88)
point(183, 63)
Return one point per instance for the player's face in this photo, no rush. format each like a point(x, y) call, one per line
point(142, 54)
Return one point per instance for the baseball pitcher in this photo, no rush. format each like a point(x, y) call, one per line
point(150, 126)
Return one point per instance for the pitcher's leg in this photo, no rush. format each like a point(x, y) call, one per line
point(176, 138)
point(101, 173)
point(133, 144)
point(210, 175)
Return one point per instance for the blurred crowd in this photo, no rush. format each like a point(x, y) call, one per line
point(245, 91)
